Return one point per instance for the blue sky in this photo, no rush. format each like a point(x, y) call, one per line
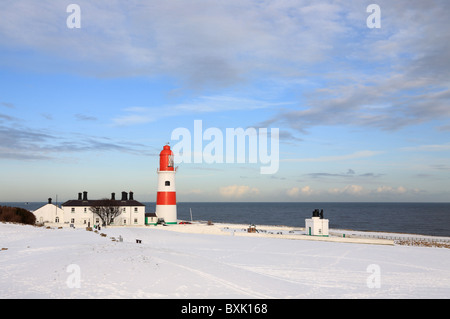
point(363, 113)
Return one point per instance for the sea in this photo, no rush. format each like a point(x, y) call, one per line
point(431, 219)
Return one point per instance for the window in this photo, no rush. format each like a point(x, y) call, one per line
point(57, 220)
point(135, 209)
point(72, 221)
point(124, 221)
point(85, 210)
point(135, 221)
point(167, 183)
point(170, 164)
point(73, 210)
point(97, 220)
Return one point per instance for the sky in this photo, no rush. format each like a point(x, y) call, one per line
point(90, 94)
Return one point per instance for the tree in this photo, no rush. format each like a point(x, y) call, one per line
point(106, 209)
point(16, 215)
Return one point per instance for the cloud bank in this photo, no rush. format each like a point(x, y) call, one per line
point(344, 72)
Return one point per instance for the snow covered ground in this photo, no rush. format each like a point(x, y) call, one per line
point(75, 263)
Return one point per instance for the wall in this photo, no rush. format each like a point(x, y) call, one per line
point(48, 214)
point(319, 227)
point(82, 216)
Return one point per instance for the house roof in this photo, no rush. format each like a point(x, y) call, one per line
point(47, 207)
point(98, 202)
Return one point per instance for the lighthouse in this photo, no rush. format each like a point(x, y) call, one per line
point(166, 203)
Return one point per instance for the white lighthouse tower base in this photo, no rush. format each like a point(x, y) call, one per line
point(168, 213)
point(316, 225)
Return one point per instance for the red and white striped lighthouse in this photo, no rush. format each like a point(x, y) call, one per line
point(166, 202)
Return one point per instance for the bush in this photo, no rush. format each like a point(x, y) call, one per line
point(16, 215)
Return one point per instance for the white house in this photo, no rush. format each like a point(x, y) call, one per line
point(49, 214)
point(77, 212)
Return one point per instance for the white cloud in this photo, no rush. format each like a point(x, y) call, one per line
point(391, 190)
point(201, 42)
point(202, 104)
point(386, 78)
point(297, 191)
point(238, 191)
point(354, 192)
point(349, 190)
point(293, 192)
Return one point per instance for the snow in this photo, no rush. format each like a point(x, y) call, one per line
point(186, 261)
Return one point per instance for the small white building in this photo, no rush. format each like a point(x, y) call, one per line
point(49, 214)
point(317, 225)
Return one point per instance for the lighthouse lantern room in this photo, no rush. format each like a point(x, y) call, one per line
point(166, 204)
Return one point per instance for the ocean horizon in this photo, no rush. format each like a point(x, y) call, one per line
point(398, 217)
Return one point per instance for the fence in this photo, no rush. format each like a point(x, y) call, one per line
point(409, 240)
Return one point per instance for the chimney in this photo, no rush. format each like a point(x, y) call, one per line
point(316, 213)
point(49, 200)
point(131, 196)
point(79, 196)
point(124, 196)
point(113, 196)
point(85, 195)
